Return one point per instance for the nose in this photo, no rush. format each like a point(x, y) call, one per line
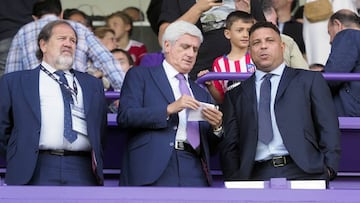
point(191, 52)
point(263, 45)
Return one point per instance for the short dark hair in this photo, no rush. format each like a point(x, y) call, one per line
point(128, 56)
point(72, 11)
point(43, 7)
point(346, 17)
point(263, 24)
point(141, 14)
point(238, 15)
point(46, 33)
point(100, 32)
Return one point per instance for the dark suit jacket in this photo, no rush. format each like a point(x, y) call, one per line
point(345, 58)
point(305, 115)
point(20, 121)
point(144, 98)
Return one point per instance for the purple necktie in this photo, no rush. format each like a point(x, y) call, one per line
point(264, 117)
point(192, 127)
point(69, 134)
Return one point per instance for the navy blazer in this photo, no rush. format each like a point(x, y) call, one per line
point(144, 98)
point(345, 58)
point(305, 116)
point(20, 121)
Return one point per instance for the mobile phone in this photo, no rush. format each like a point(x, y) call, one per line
point(218, 1)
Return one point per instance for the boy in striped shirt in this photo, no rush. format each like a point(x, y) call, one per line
point(237, 28)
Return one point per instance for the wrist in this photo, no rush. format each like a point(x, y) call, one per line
point(218, 129)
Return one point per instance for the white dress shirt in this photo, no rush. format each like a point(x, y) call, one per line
point(174, 83)
point(52, 113)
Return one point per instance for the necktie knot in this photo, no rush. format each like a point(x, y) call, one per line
point(59, 72)
point(180, 76)
point(184, 89)
point(61, 75)
point(267, 76)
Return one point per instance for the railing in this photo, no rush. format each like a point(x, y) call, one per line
point(244, 76)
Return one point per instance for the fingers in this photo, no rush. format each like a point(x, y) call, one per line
point(185, 101)
point(213, 116)
point(203, 72)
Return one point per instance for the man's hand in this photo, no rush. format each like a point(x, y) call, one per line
point(202, 73)
point(243, 5)
point(205, 5)
point(185, 101)
point(213, 116)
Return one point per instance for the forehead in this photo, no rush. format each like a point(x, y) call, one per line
point(77, 16)
point(63, 29)
point(119, 54)
point(241, 23)
point(189, 39)
point(264, 33)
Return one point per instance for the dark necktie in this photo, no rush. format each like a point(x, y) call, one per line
point(69, 134)
point(192, 127)
point(264, 117)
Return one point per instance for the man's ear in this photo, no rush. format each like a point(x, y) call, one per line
point(227, 33)
point(338, 25)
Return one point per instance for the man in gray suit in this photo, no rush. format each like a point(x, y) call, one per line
point(52, 118)
point(281, 122)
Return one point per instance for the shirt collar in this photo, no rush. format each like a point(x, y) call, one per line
point(51, 69)
point(171, 72)
point(277, 71)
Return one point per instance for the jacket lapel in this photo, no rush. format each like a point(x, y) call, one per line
point(286, 78)
point(249, 90)
point(159, 77)
point(30, 88)
point(87, 92)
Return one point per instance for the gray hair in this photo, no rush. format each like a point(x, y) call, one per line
point(179, 28)
point(47, 31)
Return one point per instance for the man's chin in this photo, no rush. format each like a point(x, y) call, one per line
point(63, 67)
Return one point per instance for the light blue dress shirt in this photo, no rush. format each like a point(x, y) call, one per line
point(276, 146)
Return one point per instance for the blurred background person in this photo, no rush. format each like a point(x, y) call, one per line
point(13, 15)
point(79, 16)
point(315, 34)
point(122, 24)
point(344, 32)
point(135, 13)
point(89, 50)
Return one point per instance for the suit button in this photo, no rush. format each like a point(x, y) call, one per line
point(171, 144)
point(175, 127)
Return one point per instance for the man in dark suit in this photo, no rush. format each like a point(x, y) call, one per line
point(295, 135)
point(40, 109)
point(153, 109)
point(344, 31)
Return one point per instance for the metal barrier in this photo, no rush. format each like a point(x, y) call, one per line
point(243, 76)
